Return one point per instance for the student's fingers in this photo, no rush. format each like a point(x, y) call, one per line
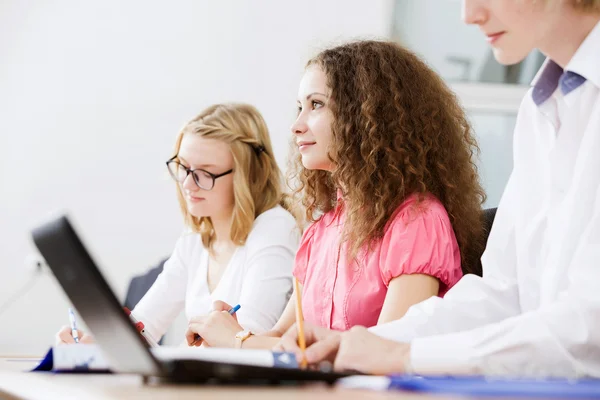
point(86, 339)
point(221, 306)
point(190, 338)
point(194, 340)
point(198, 341)
point(288, 343)
point(324, 350)
point(289, 340)
point(64, 336)
point(194, 326)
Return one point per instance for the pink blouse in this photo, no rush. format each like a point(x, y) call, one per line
point(339, 294)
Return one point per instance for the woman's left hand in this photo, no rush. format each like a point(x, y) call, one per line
point(217, 329)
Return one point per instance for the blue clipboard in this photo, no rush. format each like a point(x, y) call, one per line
point(482, 386)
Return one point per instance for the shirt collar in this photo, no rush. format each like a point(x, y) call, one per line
point(583, 66)
point(586, 60)
point(546, 81)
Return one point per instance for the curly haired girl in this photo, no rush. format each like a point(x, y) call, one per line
point(384, 168)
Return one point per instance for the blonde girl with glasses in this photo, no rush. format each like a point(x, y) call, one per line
point(241, 238)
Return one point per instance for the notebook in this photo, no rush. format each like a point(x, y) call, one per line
point(90, 358)
point(74, 358)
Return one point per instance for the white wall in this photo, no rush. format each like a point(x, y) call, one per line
point(92, 95)
point(434, 30)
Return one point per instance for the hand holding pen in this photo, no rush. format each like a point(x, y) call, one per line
point(216, 329)
point(71, 334)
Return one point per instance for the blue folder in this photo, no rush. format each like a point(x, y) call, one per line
point(481, 386)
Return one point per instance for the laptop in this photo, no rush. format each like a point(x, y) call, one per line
point(118, 338)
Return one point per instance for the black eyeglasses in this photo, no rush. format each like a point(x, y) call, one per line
point(204, 179)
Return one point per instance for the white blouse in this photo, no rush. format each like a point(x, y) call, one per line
point(258, 277)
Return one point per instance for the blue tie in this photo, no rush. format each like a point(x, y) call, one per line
point(553, 76)
point(570, 81)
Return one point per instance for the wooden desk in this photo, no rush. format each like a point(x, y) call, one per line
point(16, 384)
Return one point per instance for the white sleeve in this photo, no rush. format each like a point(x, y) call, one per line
point(268, 281)
point(473, 301)
point(166, 298)
point(560, 339)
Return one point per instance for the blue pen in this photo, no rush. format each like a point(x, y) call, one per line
point(73, 326)
point(231, 312)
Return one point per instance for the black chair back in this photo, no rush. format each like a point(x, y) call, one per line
point(140, 284)
point(488, 220)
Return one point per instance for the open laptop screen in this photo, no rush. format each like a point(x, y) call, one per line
point(91, 295)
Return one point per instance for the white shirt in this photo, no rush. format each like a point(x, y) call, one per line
point(536, 311)
point(258, 277)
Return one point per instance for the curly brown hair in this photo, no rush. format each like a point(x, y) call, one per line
point(398, 130)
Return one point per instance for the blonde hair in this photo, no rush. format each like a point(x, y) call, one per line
point(591, 6)
point(587, 5)
point(257, 181)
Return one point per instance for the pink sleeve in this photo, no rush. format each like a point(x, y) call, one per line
point(421, 241)
point(303, 254)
